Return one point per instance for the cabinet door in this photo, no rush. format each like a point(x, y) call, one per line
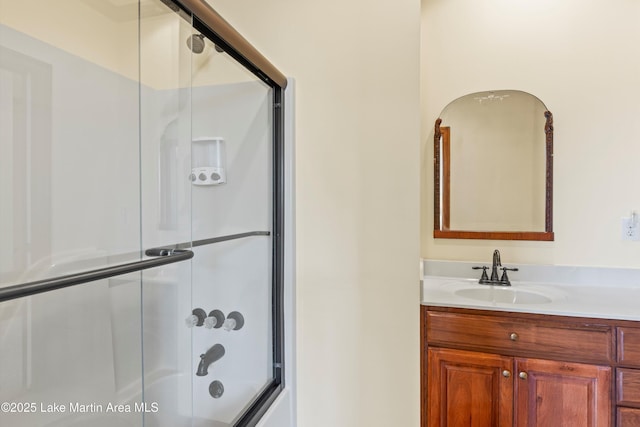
point(550, 393)
point(469, 389)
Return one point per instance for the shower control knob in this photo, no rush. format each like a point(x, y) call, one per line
point(196, 318)
point(234, 322)
point(202, 177)
point(229, 325)
point(214, 320)
point(210, 322)
point(191, 321)
point(192, 177)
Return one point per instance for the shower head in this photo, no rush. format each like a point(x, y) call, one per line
point(195, 42)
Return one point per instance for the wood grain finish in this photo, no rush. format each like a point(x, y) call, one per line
point(627, 417)
point(423, 368)
point(628, 387)
point(469, 389)
point(629, 346)
point(437, 188)
point(551, 393)
point(568, 365)
point(541, 236)
point(563, 340)
point(446, 177)
point(548, 210)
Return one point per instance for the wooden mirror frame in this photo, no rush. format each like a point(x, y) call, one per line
point(442, 231)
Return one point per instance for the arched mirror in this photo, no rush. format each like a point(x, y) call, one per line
point(493, 168)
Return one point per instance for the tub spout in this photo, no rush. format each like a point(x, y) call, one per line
point(214, 354)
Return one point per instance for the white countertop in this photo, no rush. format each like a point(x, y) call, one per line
point(611, 301)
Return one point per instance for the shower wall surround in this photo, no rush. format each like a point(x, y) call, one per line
point(109, 180)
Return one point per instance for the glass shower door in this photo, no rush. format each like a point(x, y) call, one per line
point(232, 202)
point(130, 143)
point(69, 203)
point(166, 214)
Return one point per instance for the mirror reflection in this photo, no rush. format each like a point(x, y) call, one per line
point(493, 167)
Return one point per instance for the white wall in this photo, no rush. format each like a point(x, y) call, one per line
point(582, 60)
point(356, 70)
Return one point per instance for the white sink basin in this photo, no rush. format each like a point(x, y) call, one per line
point(503, 295)
point(468, 292)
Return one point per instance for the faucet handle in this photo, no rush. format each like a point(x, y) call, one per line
point(504, 277)
point(191, 321)
point(484, 276)
point(234, 322)
point(214, 320)
point(196, 318)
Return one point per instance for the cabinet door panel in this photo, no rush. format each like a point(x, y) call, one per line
point(629, 346)
point(628, 417)
point(551, 393)
point(628, 387)
point(469, 389)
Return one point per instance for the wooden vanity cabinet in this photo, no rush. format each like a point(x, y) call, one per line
point(628, 377)
point(554, 393)
point(469, 388)
point(497, 369)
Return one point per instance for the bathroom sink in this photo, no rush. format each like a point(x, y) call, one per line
point(502, 295)
point(468, 292)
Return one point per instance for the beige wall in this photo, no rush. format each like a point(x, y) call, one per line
point(357, 125)
point(582, 59)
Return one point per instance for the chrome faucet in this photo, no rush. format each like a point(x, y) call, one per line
point(495, 266)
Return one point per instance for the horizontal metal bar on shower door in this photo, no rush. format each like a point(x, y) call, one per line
point(204, 242)
point(47, 285)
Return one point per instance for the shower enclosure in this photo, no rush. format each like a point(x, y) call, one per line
point(141, 217)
